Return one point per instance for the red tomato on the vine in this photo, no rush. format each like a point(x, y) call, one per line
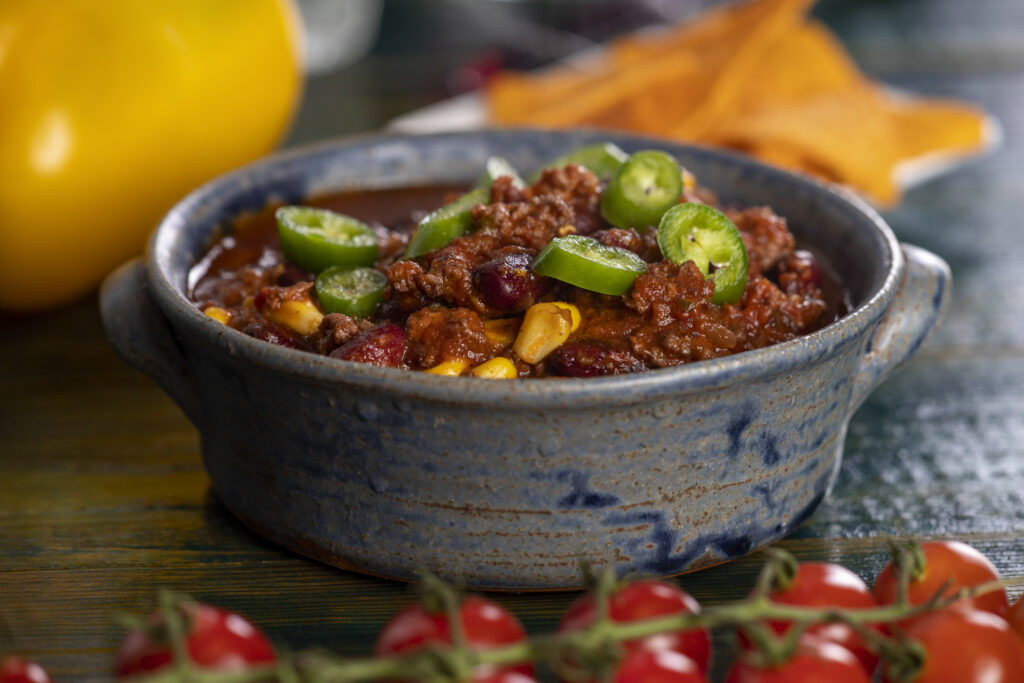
point(18, 670)
point(959, 564)
point(967, 646)
point(816, 661)
point(661, 666)
point(647, 600)
point(822, 584)
point(215, 639)
point(485, 624)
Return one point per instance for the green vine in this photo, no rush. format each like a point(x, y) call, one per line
point(590, 653)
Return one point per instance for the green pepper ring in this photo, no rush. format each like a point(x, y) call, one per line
point(646, 185)
point(706, 236)
point(588, 264)
point(314, 239)
point(355, 292)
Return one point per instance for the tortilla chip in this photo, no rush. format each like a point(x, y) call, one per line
point(844, 133)
point(756, 76)
point(805, 62)
point(928, 126)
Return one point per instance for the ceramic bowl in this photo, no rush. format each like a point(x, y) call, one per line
point(506, 484)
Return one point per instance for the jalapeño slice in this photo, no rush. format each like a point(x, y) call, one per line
point(643, 189)
point(603, 159)
point(450, 221)
point(314, 239)
point(589, 264)
point(352, 291)
point(698, 233)
point(494, 169)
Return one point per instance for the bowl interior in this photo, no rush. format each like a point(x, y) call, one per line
point(838, 226)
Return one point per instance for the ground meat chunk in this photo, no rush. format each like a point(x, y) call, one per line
point(450, 278)
point(232, 288)
point(439, 334)
point(530, 224)
point(390, 243)
point(628, 239)
point(270, 298)
point(799, 273)
point(765, 234)
point(576, 186)
point(448, 275)
point(404, 276)
point(667, 292)
point(700, 336)
point(504, 190)
point(682, 323)
point(338, 328)
point(772, 316)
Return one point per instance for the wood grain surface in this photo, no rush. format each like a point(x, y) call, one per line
point(103, 496)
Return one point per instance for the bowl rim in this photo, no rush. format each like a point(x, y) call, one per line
point(572, 393)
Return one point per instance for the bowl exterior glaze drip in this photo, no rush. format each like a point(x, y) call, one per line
point(506, 484)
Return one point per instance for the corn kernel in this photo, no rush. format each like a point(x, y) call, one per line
point(575, 312)
point(566, 230)
point(545, 327)
point(302, 316)
point(218, 314)
point(501, 330)
point(496, 368)
point(449, 368)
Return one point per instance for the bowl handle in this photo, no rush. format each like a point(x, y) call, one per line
point(142, 337)
point(915, 312)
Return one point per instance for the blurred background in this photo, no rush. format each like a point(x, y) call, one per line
point(405, 54)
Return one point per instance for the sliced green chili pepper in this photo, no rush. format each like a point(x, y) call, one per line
point(645, 187)
point(450, 221)
point(494, 169)
point(314, 239)
point(603, 159)
point(352, 291)
point(589, 264)
point(698, 233)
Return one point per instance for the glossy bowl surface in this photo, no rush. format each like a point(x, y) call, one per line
point(505, 484)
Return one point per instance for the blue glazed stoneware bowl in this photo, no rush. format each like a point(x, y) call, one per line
point(505, 484)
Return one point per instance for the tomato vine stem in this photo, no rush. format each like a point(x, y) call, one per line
point(578, 654)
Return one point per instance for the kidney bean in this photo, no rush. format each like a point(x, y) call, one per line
point(506, 283)
point(591, 358)
point(269, 332)
point(382, 345)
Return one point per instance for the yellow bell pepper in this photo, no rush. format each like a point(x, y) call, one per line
point(111, 111)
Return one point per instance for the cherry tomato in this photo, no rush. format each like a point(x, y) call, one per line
point(216, 639)
point(817, 661)
point(959, 564)
point(1015, 616)
point(663, 666)
point(18, 670)
point(967, 646)
point(646, 600)
point(485, 624)
point(822, 584)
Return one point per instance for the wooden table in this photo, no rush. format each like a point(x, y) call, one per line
point(103, 497)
